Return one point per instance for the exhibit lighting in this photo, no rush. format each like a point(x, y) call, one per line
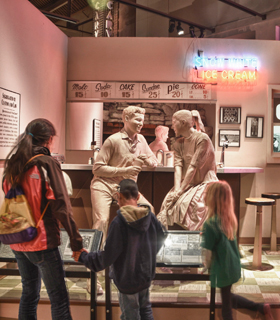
point(201, 33)
point(180, 30)
point(171, 26)
point(192, 32)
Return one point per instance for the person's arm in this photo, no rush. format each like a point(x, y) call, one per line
point(100, 260)
point(178, 164)
point(207, 259)
point(161, 233)
point(187, 179)
point(147, 154)
point(208, 243)
point(178, 170)
point(101, 167)
point(61, 206)
point(199, 159)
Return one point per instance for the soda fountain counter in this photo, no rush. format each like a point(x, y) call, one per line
point(154, 183)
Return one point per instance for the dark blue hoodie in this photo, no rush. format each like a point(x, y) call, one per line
point(134, 238)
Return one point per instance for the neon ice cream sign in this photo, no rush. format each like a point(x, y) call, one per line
point(227, 70)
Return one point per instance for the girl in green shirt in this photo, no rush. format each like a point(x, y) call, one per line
point(222, 255)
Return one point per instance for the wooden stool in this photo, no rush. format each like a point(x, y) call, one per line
point(273, 231)
point(257, 256)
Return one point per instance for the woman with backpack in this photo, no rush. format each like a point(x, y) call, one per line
point(44, 187)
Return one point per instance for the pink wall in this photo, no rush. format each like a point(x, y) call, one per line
point(33, 60)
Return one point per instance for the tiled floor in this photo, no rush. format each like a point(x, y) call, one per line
point(255, 285)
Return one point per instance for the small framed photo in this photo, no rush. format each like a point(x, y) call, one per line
point(230, 137)
point(231, 115)
point(254, 127)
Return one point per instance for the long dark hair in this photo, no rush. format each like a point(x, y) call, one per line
point(37, 133)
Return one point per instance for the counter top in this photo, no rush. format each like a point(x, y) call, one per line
point(69, 166)
point(240, 170)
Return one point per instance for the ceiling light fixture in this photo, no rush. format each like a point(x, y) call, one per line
point(201, 33)
point(171, 26)
point(180, 30)
point(192, 32)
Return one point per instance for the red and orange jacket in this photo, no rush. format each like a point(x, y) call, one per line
point(43, 181)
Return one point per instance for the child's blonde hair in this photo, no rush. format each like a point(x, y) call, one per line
point(219, 200)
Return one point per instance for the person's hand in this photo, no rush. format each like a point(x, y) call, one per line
point(76, 254)
point(132, 171)
point(204, 270)
point(151, 162)
point(148, 161)
point(174, 196)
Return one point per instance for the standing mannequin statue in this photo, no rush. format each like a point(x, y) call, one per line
point(121, 157)
point(159, 143)
point(194, 167)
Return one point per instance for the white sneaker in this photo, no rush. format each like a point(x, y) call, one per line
point(99, 289)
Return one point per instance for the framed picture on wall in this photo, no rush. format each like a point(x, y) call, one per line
point(231, 115)
point(232, 137)
point(254, 127)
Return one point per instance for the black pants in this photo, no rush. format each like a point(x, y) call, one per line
point(230, 300)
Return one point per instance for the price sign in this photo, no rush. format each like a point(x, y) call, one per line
point(127, 90)
point(174, 91)
point(103, 90)
point(79, 90)
point(150, 90)
point(199, 91)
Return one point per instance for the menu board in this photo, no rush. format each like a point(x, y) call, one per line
point(199, 91)
point(127, 90)
point(181, 248)
point(79, 90)
point(91, 242)
point(103, 91)
point(9, 120)
point(174, 91)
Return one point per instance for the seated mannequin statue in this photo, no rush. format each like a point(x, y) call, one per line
point(159, 143)
point(194, 168)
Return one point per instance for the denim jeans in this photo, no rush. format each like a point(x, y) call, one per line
point(230, 300)
point(136, 306)
point(33, 266)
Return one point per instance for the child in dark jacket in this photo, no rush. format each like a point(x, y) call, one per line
point(135, 236)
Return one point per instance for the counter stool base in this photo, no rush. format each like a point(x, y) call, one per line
point(262, 267)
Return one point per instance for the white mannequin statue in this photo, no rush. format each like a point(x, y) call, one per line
point(159, 143)
point(194, 167)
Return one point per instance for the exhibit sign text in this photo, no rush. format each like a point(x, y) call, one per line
point(9, 120)
point(227, 71)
